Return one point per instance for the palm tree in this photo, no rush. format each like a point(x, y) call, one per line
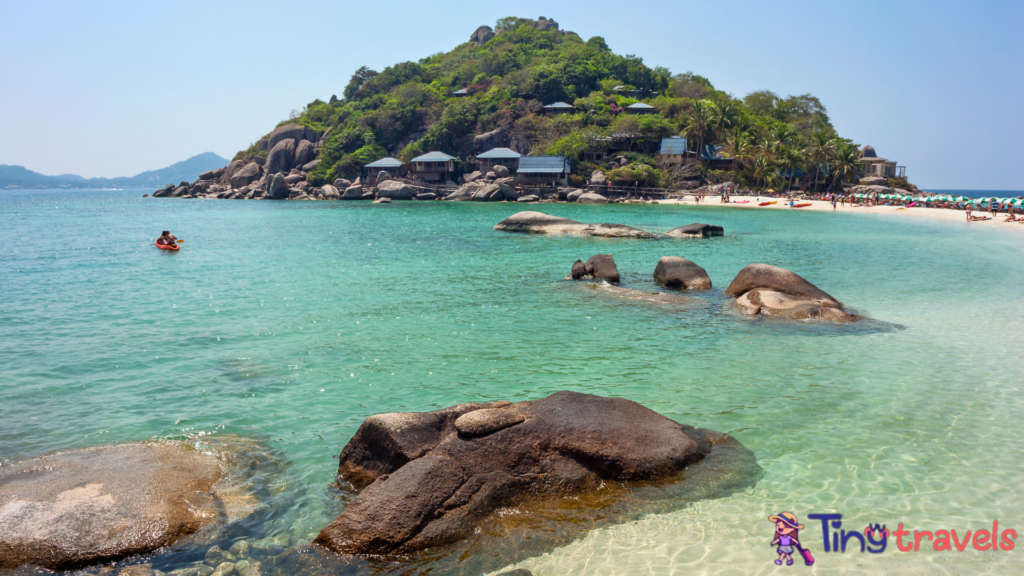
point(698, 121)
point(793, 157)
point(739, 147)
point(822, 149)
point(724, 115)
point(762, 168)
point(845, 164)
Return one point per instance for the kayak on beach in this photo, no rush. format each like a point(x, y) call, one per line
point(738, 202)
point(802, 205)
point(767, 203)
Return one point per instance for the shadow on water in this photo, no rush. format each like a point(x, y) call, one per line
point(540, 525)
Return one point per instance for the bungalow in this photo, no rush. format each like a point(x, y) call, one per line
point(558, 108)
point(711, 155)
point(674, 150)
point(392, 166)
point(640, 108)
point(432, 167)
point(872, 165)
point(544, 170)
point(499, 157)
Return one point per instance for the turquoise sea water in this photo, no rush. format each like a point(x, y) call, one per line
point(291, 322)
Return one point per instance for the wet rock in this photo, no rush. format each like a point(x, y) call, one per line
point(137, 570)
point(382, 201)
point(760, 289)
point(353, 193)
point(500, 171)
point(281, 157)
point(528, 198)
point(303, 153)
point(278, 187)
point(696, 231)
point(472, 177)
point(681, 273)
point(288, 131)
point(330, 192)
point(240, 549)
point(598, 267)
point(342, 184)
point(540, 223)
point(591, 198)
point(430, 485)
point(225, 569)
point(573, 195)
point(487, 420)
point(88, 506)
point(426, 196)
point(242, 566)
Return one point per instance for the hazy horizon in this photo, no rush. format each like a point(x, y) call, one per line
point(119, 88)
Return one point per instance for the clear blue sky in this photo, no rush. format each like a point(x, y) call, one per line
point(114, 88)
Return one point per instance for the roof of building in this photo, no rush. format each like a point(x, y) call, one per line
point(433, 157)
point(499, 153)
point(868, 152)
point(674, 145)
point(874, 160)
point(461, 91)
point(710, 152)
point(640, 106)
point(386, 162)
point(543, 165)
point(559, 105)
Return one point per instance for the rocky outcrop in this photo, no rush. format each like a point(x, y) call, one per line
point(286, 132)
point(574, 195)
point(353, 193)
point(481, 35)
point(681, 273)
point(281, 157)
point(496, 138)
point(528, 198)
point(394, 190)
point(426, 196)
point(330, 192)
point(760, 289)
point(304, 153)
point(382, 176)
point(598, 267)
point(342, 184)
point(212, 174)
point(431, 478)
point(463, 194)
point(696, 230)
point(591, 198)
point(100, 505)
point(278, 188)
point(500, 171)
point(250, 173)
point(382, 201)
point(540, 223)
point(496, 192)
point(472, 177)
point(597, 178)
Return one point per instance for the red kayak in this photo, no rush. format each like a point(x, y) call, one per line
point(170, 247)
point(801, 205)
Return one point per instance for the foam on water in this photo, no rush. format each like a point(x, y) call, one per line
point(292, 322)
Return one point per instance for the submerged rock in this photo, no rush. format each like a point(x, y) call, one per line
point(696, 230)
point(540, 223)
point(681, 273)
point(430, 484)
point(78, 508)
point(773, 291)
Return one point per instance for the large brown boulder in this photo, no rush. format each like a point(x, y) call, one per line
point(247, 175)
point(481, 35)
point(304, 153)
point(696, 230)
point(598, 267)
point(230, 169)
point(353, 193)
point(395, 190)
point(286, 132)
point(101, 505)
point(281, 157)
point(431, 478)
point(681, 273)
point(330, 192)
point(591, 198)
point(760, 289)
point(278, 187)
point(540, 223)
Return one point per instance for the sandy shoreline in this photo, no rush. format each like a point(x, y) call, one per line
point(822, 206)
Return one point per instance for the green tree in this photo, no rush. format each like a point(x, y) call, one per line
point(822, 148)
point(356, 82)
point(699, 122)
point(846, 164)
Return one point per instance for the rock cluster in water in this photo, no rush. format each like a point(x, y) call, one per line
point(761, 289)
point(430, 478)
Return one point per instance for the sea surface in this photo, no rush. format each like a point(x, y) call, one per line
point(288, 323)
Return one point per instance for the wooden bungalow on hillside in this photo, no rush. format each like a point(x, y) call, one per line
point(558, 108)
point(674, 150)
point(392, 166)
point(544, 170)
point(640, 108)
point(499, 157)
point(711, 156)
point(432, 167)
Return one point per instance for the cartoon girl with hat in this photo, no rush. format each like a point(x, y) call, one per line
point(787, 532)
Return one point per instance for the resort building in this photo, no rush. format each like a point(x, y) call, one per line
point(711, 155)
point(640, 108)
point(432, 167)
point(499, 157)
point(872, 165)
point(544, 170)
point(558, 108)
point(674, 150)
point(392, 166)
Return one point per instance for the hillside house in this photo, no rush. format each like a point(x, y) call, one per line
point(544, 170)
point(392, 166)
point(499, 157)
point(432, 167)
point(674, 150)
point(558, 108)
point(872, 165)
point(640, 108)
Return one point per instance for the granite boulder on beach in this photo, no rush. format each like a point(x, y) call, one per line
point(696, 230)
point(540, 223)
point(761, 289)
point(430, 478)
point(103, 504)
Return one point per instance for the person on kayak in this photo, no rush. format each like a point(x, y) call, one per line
point(166, 239)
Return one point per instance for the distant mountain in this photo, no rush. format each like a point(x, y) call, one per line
point(186, 170)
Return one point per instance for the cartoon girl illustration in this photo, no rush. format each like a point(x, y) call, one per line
point(787, 533)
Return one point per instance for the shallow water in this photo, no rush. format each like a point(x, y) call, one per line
point(290, 322)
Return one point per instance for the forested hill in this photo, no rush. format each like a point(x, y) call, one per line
point(510, 72)
point(186, 170)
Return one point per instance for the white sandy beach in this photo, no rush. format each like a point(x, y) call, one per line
point(822, 206)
